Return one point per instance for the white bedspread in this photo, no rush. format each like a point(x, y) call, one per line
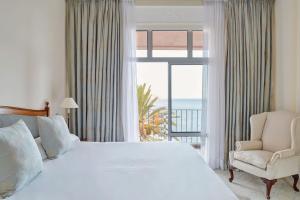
point(127, 171)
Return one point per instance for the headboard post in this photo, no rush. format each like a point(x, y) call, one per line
point(47, 108)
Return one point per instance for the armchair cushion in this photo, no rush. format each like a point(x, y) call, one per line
point(258, 158)
point(277, 131)
point(281, 168)
point(248, 145)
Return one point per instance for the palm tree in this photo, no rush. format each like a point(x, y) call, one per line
point(152, 121)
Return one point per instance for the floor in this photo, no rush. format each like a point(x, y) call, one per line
point(248, 187)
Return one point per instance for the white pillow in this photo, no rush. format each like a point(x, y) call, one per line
point(55, 135)
point(74, 138)
point(38, 142)
point(20, 159)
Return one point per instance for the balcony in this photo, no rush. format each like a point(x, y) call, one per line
point(185, 126)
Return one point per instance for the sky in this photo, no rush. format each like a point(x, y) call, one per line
point(186, 80)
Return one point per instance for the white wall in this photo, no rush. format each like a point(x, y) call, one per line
point(298, 59)
point(32, 53)
point(170, 17)
point(287, 55)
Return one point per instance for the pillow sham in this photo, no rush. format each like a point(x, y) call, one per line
point(55, 135)
point(20, 160)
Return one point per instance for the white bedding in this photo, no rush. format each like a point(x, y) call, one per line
point(127, 171)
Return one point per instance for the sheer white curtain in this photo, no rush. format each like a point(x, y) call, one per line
point(214, 30)
point(129, 95)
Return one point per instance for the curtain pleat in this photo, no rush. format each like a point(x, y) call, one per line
point(94, 36)
point(215, 94)
point(248, 28)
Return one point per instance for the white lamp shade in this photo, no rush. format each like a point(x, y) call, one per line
point(69, 103)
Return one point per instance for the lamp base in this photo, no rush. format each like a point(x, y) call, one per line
point(68, 118)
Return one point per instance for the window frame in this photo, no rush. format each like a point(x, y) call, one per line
point(189, 60)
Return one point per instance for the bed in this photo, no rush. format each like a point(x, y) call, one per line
point(125, 171)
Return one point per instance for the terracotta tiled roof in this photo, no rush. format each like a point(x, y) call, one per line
point(175, 40)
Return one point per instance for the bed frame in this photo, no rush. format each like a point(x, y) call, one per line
point(9, 110)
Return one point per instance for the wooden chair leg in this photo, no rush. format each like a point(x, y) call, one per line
point(231, 173)
point(296, 178)
point(269, 184)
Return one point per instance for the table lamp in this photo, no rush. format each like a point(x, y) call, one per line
point(68, 104)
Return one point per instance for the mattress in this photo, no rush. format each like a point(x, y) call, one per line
point(126, 171)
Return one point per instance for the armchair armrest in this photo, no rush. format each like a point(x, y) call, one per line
point(248, 145)
point(282, 154)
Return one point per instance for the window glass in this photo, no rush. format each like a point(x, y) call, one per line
point(141, 44)
point(152, 92)
point(197, 43)
point(186, 98)
point(169, 43)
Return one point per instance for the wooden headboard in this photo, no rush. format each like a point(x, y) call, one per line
point(23, 111)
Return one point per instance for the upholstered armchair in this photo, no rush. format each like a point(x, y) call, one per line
point(273, 151)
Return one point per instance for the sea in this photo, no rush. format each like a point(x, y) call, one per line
point(187, 114)
point(181, 103)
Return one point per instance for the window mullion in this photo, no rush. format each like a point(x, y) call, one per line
point(149, 44)
point(190, 44)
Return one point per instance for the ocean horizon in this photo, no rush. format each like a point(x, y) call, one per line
point(187, 114)
point(181, 103)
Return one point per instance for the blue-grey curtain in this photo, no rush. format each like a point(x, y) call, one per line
point(94, 51)
point(248, 65)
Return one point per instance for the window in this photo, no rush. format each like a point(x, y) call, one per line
point(169, 44)
point(186, 98)
point(171, 75)
point(141, 49)
point(198, 43)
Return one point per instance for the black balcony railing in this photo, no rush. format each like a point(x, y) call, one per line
point(186, 125)
point(186, 120)
point(183, 120)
